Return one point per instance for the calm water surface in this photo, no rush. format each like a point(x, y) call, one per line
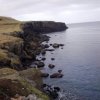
point(79, 60)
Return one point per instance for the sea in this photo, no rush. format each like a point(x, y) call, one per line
point(79, 61)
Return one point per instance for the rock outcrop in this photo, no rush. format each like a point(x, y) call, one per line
point(20, 42)
point(44, 26)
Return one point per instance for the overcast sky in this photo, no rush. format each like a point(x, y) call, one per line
point(69, 11)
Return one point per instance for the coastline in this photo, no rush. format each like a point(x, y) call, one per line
point(20, 43)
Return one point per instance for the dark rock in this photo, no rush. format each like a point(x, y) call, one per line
point(57, 89)
point(44, 74)
point(50, 44)
point(45, 46)
point(52, 58)
point(49, 49)
point(51, 91)
point(44, 26)
point(56, 75)
point(51, 66)
point(59, 71)
point(43, 52)
point(43, 59)
point(61, 44)
point(55, 45)
point(39, 64)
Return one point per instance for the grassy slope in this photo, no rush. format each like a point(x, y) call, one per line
point(9, 25)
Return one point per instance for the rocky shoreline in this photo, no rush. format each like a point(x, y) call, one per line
point(19, 46)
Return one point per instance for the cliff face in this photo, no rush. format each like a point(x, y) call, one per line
point(44, 26)
point(22, 40)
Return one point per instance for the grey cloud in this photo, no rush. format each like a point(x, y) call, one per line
point(70, 10)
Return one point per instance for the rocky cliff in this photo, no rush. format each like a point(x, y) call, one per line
point(44, 26)
point(20, 42)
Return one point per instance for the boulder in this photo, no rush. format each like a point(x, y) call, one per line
point(59, 71)
point(51, 66)
point(55, 45)
point(56, 75)
point(52, 58)
point(43, 59)
point(46, 46)
point(39, 64)
point(43, 52)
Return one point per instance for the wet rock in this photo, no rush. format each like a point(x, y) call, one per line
point(52, 58)
point(56, 75)
point(61, 44)
point(50, 44)
point(43, 59)
point(59, 71)
point(43, 52)
point(44, 74)
point(55, 45)
point(39, 64)
point(51, 66)
point(45, 46)
point(52, 91)
point(49, 49)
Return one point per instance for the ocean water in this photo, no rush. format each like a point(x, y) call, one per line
point(79, 59)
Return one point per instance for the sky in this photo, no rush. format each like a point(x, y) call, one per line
point(68, 11)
